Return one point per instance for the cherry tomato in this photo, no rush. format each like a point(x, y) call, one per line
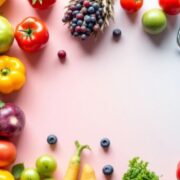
point(171, 7)
point(41, 4)
point(131, 6)
point(7, 153)
point(31, 34)
point(6, 175)
point(178, 171)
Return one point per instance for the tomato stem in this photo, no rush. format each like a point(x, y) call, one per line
point(27, 31)
point(2, 104)
point(35, 1)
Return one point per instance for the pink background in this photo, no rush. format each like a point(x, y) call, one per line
point(127, 91)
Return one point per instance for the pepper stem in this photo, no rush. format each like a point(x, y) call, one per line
point(5, 71)
point(2, 104)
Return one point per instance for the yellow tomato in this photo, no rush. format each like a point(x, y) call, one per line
point(6, 175)
point(2, 2)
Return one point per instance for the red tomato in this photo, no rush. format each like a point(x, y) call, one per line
point(7, 153)
point(171, 7)
point(31, 34)
point(178, 171)
point(131, 6)
point(41, 4)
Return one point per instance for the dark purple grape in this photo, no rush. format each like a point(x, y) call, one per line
point(100, 10)
point(74, 20)
point(91, 10)
point(78, 29)
point(93, 19)
point(88, 31)
point(79, 16)
point(84, 10)
point(87, 3)
point(97, 13)
point(80, 22)
point(75, 34)
point(74, 25)
point(100, 22)
point(83, 36)
point(78, 6)
point(96, 28)
point(69, 12)
point(90, 25)
point(72, 8)
point(64, 19)
point(87, 18)
point(75, 12)
point(81, 1)
point(83, 29)
point(96, 6)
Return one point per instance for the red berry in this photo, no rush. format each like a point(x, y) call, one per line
point(87, 4)
point(78, 29)
point(62, 54)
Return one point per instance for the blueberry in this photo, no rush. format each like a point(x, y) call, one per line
point(91, 10)
point(74, 20)
point(52, 139)
point(80, 22)
point(83, 37)
point(116, 33)
point(78, 6)
point(108, 170)
point(105, 142)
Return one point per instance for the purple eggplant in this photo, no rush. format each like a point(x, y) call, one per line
point(12, 120)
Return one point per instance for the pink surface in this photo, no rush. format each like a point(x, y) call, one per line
point(127, 91)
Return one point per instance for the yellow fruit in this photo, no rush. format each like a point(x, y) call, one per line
point(2, 2)
point(6, 175)
point(88, 173)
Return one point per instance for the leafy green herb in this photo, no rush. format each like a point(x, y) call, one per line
point(138, 170)
point(17, 170)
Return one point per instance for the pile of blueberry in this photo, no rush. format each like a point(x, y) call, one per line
point(85, 17)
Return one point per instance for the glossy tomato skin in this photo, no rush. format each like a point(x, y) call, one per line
point(31, 34)
point(7, 153)
point(44, 5)
point(171, 7)
point(131, 6)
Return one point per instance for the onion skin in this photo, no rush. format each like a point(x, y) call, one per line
point(12, 120)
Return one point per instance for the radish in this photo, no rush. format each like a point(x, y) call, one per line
point(12, 120)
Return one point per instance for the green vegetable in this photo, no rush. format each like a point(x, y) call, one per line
point(138, 170)
point(17, 170)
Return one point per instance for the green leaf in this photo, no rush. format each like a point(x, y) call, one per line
point(17, 170)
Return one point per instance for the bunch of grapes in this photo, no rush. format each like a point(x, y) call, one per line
point(85, 17)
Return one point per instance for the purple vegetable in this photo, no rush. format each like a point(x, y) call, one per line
point(12, 120)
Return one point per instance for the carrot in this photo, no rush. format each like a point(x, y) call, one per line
point(74, 164)
point(88, 173)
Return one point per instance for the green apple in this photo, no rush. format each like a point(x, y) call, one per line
point(6, 35)
point(154, 21)
point(30, 174)
point(46, 165)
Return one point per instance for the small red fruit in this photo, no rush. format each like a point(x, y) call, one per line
point(62, 54)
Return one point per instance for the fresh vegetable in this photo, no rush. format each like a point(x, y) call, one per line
point(116, 33)
point(2, 2)
point(131, 6)
point(108, 170)
point(62, 54)
point(171, 7)
point(46, 165)
point(17, 170)
point(12, 74)
point(31, 34)
point(88, 173)
point(138, 169)
point(105, 143)
point(74, 164)
point(12, 120)
point(178, 171)
point(30, 174)
point(7, 153)
point(41, 4)
point(154, 21)
point(6, 35)
point(6, 175)
point(52, 139)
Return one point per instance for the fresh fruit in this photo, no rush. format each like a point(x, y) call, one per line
point(12, 120)
point(108, 170)
point(88, 17)
point(138, 169)
point(116, 33)
point(2, 2)
point(31, 34)
point(41, 4)
point(62, 54)
point(154, 21)
point(6, 175)
point(88, 173)
point(7, 153)
point(131, 6)
point(105, 142)
point(178, 171)
point(30, 174)
point(46, 165)
point(12, 74)
point(17, 170)
point(52, 139)
point(171, 7)
point(74, 164)
point(6, 35)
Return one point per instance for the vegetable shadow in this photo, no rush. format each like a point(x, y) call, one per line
point(132, 17)
point(44, 14)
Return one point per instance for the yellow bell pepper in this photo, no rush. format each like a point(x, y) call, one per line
point(88, 173)
point(12, 74)
point(2, 2)
point(6, 175)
